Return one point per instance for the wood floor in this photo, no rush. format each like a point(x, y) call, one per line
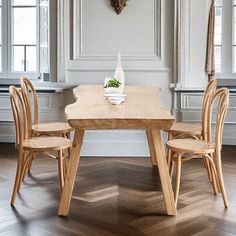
point(115, 196)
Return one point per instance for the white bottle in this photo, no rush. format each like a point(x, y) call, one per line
point(119, 74)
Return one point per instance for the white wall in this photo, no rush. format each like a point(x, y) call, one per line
point(143, 33)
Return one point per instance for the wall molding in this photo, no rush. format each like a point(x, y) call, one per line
point(104, 143)
point(105, 61)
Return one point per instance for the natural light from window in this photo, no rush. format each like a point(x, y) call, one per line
point(234, 36)
point(24, 45)
point(0, 35)
point(218, 36)
point(24, 38)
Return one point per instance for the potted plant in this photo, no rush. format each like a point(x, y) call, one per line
point(112, 86)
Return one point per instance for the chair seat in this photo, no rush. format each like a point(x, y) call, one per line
point(45, 143)
point(191, 146)
point(53, 127)
point(186, 128)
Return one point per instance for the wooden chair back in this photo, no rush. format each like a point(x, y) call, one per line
point(20, 115)
point(206, 108)
point(30, 98)
point(221, 98)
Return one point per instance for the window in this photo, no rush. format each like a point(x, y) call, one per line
point(24, 38)
point(234, 36)
point(225, 39)
point(218, 35)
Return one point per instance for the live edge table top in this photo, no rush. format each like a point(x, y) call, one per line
point(141, 109)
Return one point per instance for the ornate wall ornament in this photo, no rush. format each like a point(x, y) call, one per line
point(118, 5)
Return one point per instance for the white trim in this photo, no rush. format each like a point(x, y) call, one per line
point(91, 61)
point(227, 42)
point(7, 75)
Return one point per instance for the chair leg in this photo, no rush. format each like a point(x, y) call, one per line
point(68, 137)
point(169, 151)
point(25, 163)
point(214, 181)
point(29, 167)
point(61, 168)
point(220, 178)
point(17, 177)
point(208, 168)
point(210, 171)
point(171, 165)
point(178, 174)
point(65, 159)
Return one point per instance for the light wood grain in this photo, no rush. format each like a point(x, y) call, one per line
point(187, 129)
point(61, 129)
point(195, 131)
point(151, 147)
point(141, 109)
point(27, 145)
point(191, 145)
point(51, 128)
point(183, 130)
point(32, 109)
point(163, 172)
point(71, 173)
point(187, 149)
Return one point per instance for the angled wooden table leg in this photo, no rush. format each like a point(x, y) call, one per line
point(164, 172)
point(151, 148)
point(71, 173)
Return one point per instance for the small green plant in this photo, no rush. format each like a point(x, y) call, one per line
point(113, 83)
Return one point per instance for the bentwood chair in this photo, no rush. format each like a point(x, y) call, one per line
point(187, 149)
point(29, 146)
point(61, 129)
point(188, 130)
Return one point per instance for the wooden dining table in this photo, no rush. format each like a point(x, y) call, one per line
point(141, 109)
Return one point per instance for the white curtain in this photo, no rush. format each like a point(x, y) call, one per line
point(210, 52)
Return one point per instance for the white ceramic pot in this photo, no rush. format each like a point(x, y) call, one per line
point(113, 90)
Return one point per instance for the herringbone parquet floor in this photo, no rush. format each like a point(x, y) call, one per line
point(115, 196)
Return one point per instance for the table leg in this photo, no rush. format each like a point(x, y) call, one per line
point(164, 172)
point(71, 173)
point(151, 147)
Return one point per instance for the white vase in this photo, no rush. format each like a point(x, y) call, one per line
point(119, 74)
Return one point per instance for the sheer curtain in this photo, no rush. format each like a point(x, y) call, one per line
point(210, 52)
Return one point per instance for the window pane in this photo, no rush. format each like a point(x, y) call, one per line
point(0, 25)
point(24, 18)
point(31, 58)
point(218, 2)
point(44, 37)
point(234, 59)
point(218, 58)
point(18, 58)
point(0, 58)
point(234, 25)
point(218, 26)
point(0, 35)
point(44, 60)
point(23, 2)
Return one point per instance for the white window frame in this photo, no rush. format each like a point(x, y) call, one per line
point(227, 42)
point(7, 75)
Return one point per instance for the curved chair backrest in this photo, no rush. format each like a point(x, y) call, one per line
point(221, 97)
point(206, 108)
point(30, 98)
point(20, 115)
